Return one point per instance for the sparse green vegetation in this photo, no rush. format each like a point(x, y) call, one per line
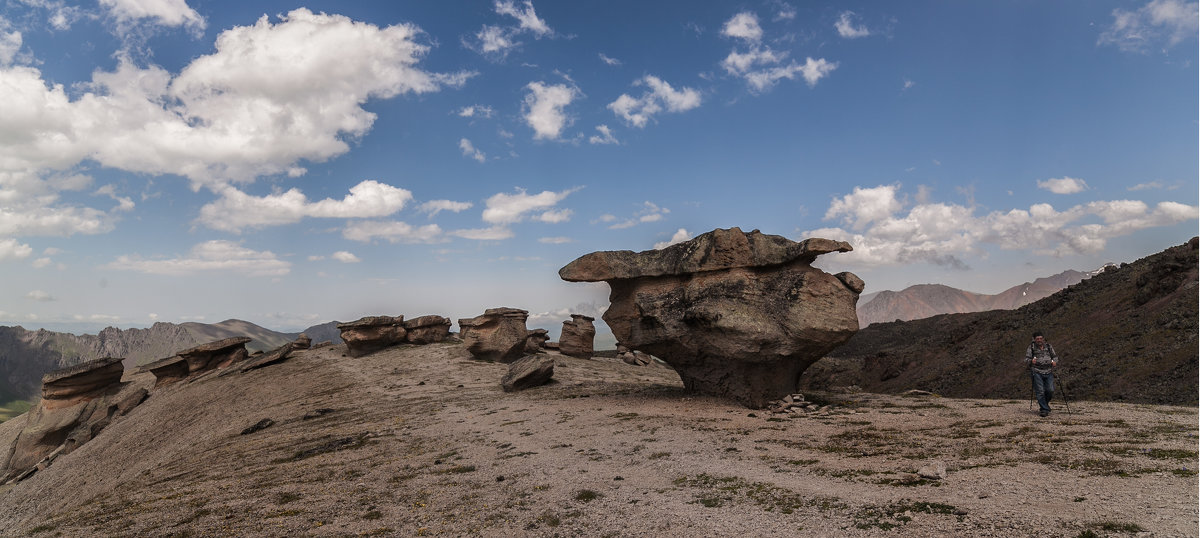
point(770, 497)
point(1116, 526)
point(13, 409)
point(286, 497)
point(893, 515)
point(586, 495)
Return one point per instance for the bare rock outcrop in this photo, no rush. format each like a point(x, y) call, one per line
point(536, 340)
point(427, 329)
point(76, 404)
point(372, 333)
point(302, 342)
point(736, 314)
point(197, 360)
point(497, 335)
point(578, 336)
point(528, 372)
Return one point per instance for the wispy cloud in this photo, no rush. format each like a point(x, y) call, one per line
point(236, 211)
point(605, 136)
point(504, 208)
point(1158, 24)
point(469, 151)
point(649, 212)
point(743, 26)
point(610, 61)
point(208, 257)
point(846, 28)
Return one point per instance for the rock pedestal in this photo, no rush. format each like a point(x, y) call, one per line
point(372, 333)
point(497, 335)
point(736, 314)
point(76, 404)
point(427, 329)
point(302, 342)
point(578, 336)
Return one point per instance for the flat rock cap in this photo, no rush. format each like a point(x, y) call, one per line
point(712, 251)
point(81, 369)
point(217, 345)
point(372, 321)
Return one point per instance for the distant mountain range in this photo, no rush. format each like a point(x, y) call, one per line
point(927, 300)
point(1127, 334)
point(25, 356)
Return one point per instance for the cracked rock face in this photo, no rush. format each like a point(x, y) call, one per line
point(372, 333)
point(737, 314)
point(578, 337)
point(497, 335)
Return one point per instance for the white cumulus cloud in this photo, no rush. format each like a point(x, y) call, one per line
point(941, 234)
point(544, 108)
point(659, 96)
point(236, 210)
point(345, 257)
point(744, 25)
point(11, 249)
point(161, 12)
point(1063, 185)
point(504, 208)
point(680, 236)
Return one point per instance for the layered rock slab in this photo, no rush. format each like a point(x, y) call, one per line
point(737, 314)
point(497, 335)
point(427, 329)
point(372, 333)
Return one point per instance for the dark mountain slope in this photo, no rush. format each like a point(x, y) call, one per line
point(1128, 333)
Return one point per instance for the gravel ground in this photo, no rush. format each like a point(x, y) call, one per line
point(420, 440)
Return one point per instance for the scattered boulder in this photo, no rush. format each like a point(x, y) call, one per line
point(528, 372)
point(320, 345)
point(259, 360)
point(736, 314)
point(77, 403)
point(535, 340)
point(578, 336)
point(427, 329)
point(302, 342)
point(497, 335)
point(258, 426)
point(372, 333)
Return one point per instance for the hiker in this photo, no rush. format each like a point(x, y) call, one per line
point(1042, 359)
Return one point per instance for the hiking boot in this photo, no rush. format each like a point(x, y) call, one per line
point(1043, 413)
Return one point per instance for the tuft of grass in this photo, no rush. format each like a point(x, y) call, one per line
point(456, 469)
point(286, 497)
point(1116, 526)
point(587, 495)
point(659, 455)
point(373, 514)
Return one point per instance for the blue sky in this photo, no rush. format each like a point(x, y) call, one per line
point(293, 163)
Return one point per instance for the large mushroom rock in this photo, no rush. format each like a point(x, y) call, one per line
point(535, 341)
point(427, 329)
point(736, 314)
point(578, 336)
point(497, 335)
point(372, 333)
point(76, 404)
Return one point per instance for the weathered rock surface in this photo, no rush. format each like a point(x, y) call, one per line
point(736, 314)
point(497, 335)
point(198, 360)
point(536, 340)
point(76, 404)
point(302, 342)
point(578, 336)
point(372, 333)
point(528, 372)
point(427, 329)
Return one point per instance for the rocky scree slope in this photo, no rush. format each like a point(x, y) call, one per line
point(1127, 334)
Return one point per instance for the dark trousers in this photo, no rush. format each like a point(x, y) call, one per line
point(1043, 389)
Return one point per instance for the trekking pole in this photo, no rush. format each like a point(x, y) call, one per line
point(1066, 397)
